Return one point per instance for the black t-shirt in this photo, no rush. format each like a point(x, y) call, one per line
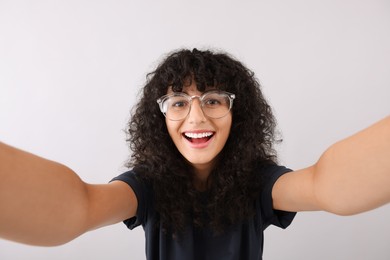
point(240, 242)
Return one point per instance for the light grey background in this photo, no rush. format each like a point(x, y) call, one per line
point(70, 71)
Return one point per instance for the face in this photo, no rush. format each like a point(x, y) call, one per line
point(197, 137)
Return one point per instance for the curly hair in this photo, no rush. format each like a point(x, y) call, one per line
point(234, 183)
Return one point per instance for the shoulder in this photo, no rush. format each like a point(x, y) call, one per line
point(134, 176)
point(136, 180)
point(269, 173)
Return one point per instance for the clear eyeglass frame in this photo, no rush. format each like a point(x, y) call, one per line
point(202, 98)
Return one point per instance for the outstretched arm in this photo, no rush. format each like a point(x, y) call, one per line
point(45, 203)
point(352, 176)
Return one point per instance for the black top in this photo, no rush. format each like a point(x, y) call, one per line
point(240, 242)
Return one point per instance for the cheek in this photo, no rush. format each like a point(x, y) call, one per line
point(227, 125)
point(173, 128)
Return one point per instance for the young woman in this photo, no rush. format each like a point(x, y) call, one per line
point(204, 180)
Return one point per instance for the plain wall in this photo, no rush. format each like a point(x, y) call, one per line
point(70, 71)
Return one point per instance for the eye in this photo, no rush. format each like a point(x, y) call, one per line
point(212, 102)
point(179, 104)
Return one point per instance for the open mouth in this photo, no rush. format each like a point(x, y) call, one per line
point(198, 137)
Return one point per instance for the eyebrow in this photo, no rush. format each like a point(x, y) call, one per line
point(209, 88)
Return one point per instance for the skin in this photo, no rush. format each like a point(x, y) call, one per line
point(351, 176)
point(201, 157)
point(47, 193)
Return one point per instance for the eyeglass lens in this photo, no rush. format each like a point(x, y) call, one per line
point(213, 104)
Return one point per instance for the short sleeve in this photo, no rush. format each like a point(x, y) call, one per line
point(141, 194)
point(271, 216)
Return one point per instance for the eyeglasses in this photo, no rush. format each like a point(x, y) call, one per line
point(215, 104)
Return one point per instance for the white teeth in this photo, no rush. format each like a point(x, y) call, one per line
point(198, 135)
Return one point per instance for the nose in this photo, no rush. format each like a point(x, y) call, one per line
point(196, 115)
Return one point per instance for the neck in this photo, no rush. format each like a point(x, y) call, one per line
point(201, 177)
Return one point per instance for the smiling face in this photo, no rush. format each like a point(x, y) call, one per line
point(197, 137)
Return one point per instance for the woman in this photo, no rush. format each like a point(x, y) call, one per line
point(205, 182)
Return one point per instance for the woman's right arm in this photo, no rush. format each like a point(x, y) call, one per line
point(45, 203)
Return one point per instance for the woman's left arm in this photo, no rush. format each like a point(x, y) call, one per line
point(351, 176)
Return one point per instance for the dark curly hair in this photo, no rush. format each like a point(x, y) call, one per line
point(234, 184)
